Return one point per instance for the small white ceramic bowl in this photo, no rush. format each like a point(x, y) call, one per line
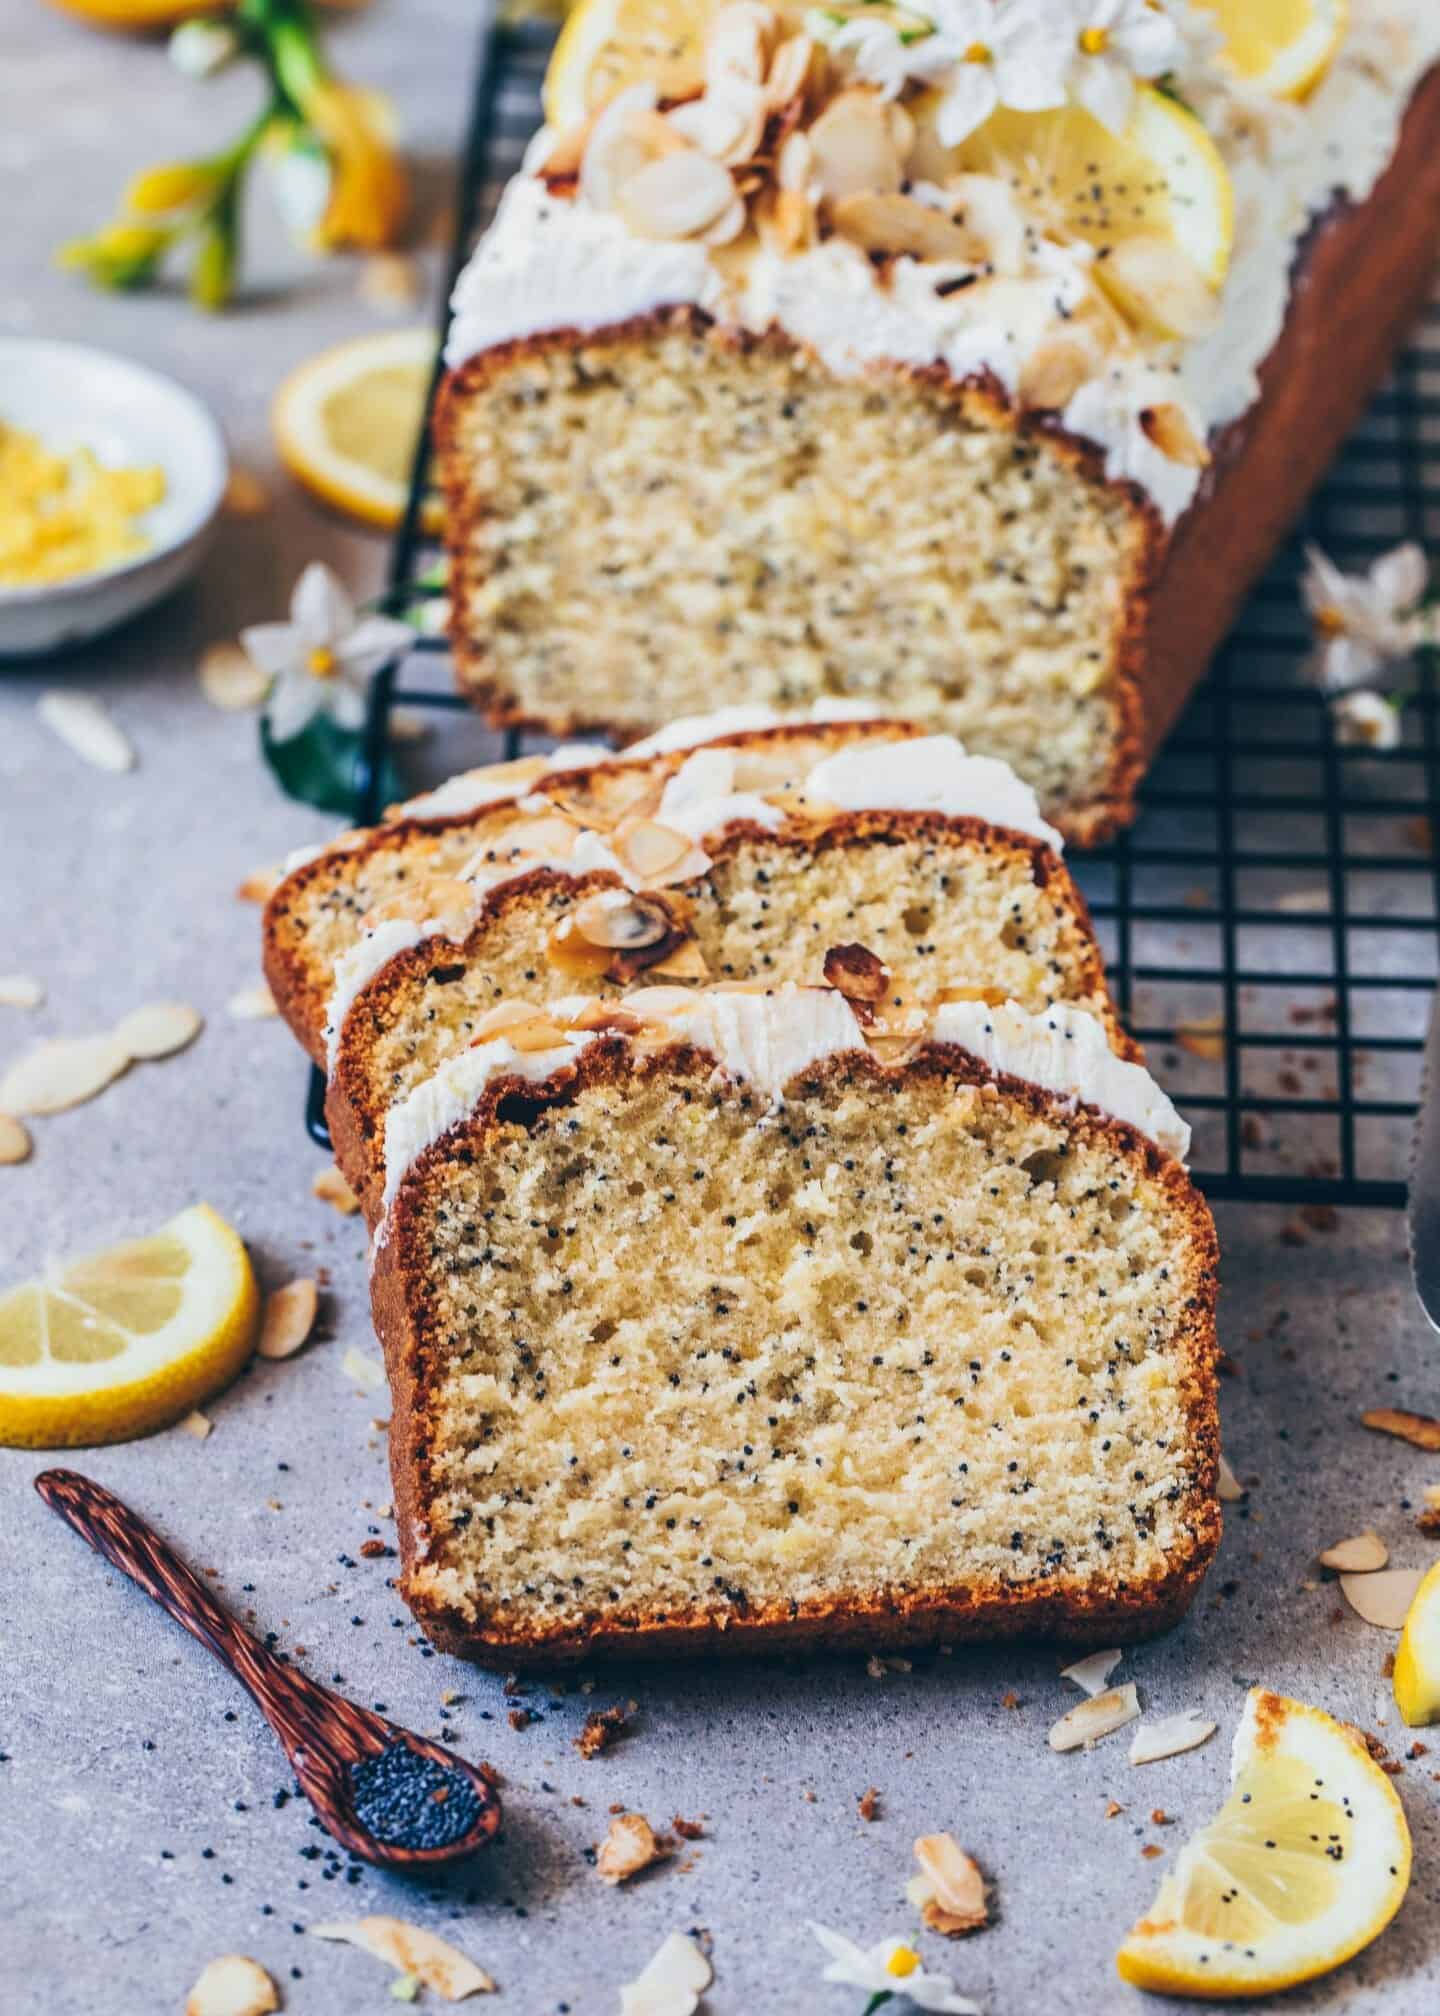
point(74, 397)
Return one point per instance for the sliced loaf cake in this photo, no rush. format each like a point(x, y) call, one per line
point(936, 863)
point(713, 1321)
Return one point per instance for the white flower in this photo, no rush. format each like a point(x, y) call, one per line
point(980, 54)
point(1107, 45)
point(877, 54)
point(1365, 623)
point(323, 659)
point(1365, 719)
point(891, 1968)
point(300, 177)
point(200, 48)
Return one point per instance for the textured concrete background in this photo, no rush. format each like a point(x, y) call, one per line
point(139, 1834)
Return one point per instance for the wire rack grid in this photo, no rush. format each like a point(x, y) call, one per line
point(1271, 919)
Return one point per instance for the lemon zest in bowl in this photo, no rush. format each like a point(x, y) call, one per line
point(62, 515)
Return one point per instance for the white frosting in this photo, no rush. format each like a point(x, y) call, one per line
point(700, 798)
point(688, 731)
point(767, 1039)
point(932, 773)
point(548, 264)
point(499, 783)
point(359, 963)
point(1064, 1050)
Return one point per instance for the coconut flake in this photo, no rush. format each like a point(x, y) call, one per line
point(289, 1318)
point(413, 1950)
point(1363, 1555)
point(1169, 1736)
point(232, 1986)
point(672, 1984)
point(1382, 1599)
point(1091, 1673)
point(1097, 1717)
point(61, 1073)
point(158, 1030)
point(18, 990)
point(84, 726)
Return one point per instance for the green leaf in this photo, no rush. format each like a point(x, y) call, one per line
point(320, 766)
point(877, 2001)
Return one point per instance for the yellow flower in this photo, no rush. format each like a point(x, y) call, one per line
point(122, 255)
point(369, 189)
point(173, 185)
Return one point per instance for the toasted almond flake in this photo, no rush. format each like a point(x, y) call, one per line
point(260, 884)
point(895, 223)
point(1204, 1037)
point(1153, 1741)
point(737, 43)
point(245, 495)
point(537, 1032)
point(852, 145)
point(1092, 1673)
point(1167, 427)
point(672, 1983)
point(621, 921)
point(794, 165)
point(1100, 1716)
point(657, 1004)
point(550, 833)
point(568, 149)
point(657, 854)
point(1228, 1486)
point(686, 962)
point(504, 1015)
point(390, 280)
point(84, 726)
point(788, 221)
point(1162, 281)
point(1054, 372)
point(230, 679)
point(407, 726)
point(444, 899)
point(413, 1950)
point(1383, 1598)
point(197, 1424)
point(1363, 1555)
point(789, 74)
point(64, 1072)
point(18, 990)
point(366, 1372)
point(331, 1188)
point(232, 1986)
point(630, 1845)
point(289, 1318)
point(158, 1030)
point(729, 128)
point(857, 973)
point(1420, 1429)
point(950, 1891)
point(252, 1004)
point(676, 195)
point(15, 1142)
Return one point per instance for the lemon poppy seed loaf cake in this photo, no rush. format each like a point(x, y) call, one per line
point(899, 870)
point(815, 355)
point(713, 1324)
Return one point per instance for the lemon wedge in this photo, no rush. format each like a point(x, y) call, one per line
point(1307, 1861)
point(1155, 201)
point(1417, 1659)
point(1284, 47)
point(346, 424)
point(128, 1340)
point(607, 44)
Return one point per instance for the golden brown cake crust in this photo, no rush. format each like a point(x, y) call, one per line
point(980, 397)
point(355, 1119)
point(1049, 1607)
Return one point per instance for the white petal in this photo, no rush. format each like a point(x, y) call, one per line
point(1324, 586)
point(850, 1964)
point(320, 609)
point(344, 702)
point(1349, 661)
point(1399, 577)
point(1366, 720)
point(275, 647)
point(1106, 90)
point(293, 704)
point(372, 643)
point(970, 97)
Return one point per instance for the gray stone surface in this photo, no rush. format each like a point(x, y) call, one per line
point(138, 1830)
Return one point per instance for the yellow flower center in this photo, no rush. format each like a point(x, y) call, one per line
point(904, 1960)
point(1094, 41)
point(322, 662)
point(1329, 621)
point(978, 52)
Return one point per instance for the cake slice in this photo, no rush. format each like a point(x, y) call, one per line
point(319, 910)
point(714, 1321)
point(937, 863)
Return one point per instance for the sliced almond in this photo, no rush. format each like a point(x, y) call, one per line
point(288, 1319)
point(1363, 1555)
point(686, 962)
point(993, 997)
point(413, 1950)
point(728, 225)
point(504, 1015)
point(1168, 1737)
point(1382, 1599)
point(675, 196)
point(1228, 1486)
point(444, 899)
point(894, 223)
point(84, 726)
point(1054, 372)
point(788, 221)
point(538, 1032)
point(789, 74)
point(390, 280)
point(857, 973)
point(738, 40)
point(1167, 427)
point(252, 1004)
point(571, 953)
point(794, 165)
point(62, 1073)
point(1204, 1037)
point(1098, 1717)
point(1091, 1673)
point(367, 1372)
point(1420, 1429)
point(1158, 284)
point(232, 1986)
point(656, 854)
point(621, 920)
point(551, 833)
point(607, 1015)
point(18, 990)
point(230, 678)
point(658, 1004)
point(673, 1982)
point(954, 1903)
point(568, 150)
point(853, 147)
point(158, 1030)
point(15, 1143)
point(628, 134)
point(196, 1424)
point(245, 495)
point(728, 127)
point(331, 1188)
point(260, 884)
point(630, 1846)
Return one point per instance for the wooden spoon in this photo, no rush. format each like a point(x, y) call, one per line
point(385, 1794)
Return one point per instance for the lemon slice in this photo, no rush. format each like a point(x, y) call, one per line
point(128, 1340)
point(1307, 1861)
point(346, 424)
point(1284, 47)
point(1417, 1659)
point(607, 44)
point(1155, 201)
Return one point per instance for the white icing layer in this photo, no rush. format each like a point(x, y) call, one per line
point(359, 963)
point(932, 773)
point(1064, 1050)
point(548, 264)
point(688, 731)
point(767, 1039)
point(499, 783)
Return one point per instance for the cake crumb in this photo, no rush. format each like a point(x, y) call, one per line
point(868, 1803)
point(688, 1830)
point(630, 1845)
point(1113, 1809)
point(1151, 1850)
point(520, 1718)
point(603, 1728)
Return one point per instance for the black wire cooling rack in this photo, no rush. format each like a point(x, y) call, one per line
point(1271, 919)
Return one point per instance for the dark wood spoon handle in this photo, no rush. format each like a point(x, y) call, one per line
point(130, 1544)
